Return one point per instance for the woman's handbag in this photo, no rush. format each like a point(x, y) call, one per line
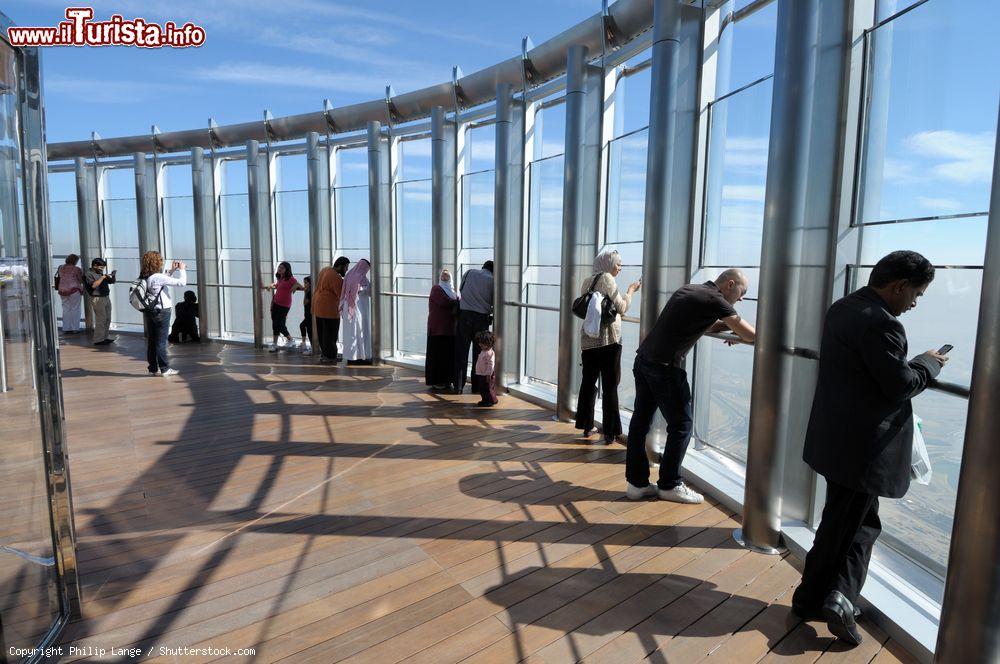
point(582, 304)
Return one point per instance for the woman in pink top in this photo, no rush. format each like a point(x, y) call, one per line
point(69, 283)
point(485, 367)
point(283, 287)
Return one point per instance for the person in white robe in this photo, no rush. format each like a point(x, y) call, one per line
point(356, 314)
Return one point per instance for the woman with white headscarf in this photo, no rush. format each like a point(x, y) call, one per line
point(442, 316)
point(356, 314)
point(602, 355)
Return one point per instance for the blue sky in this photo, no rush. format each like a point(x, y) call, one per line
point(284, 55)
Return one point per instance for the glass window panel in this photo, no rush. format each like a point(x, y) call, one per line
point(178, 219)
point(62, 186)
point(737, 173)
point(292, 215)
point(238, 310)
point(541, 364)
point(414, 159)
point(352, 167)
point(291, 173)
point(630, 344)
point(411, 312)
point(234, 176)
point(122, 313)
point(751, 50)
point(887, 8)
point(931, 125)
point(723, 377)
point(545, 212)
point(943, 242)
point(177, 180)
point(919, 524)
point(352, 212)
point(477, 214)
point(632, 99)
point(118, 183)
point(627, 188)
point(550, 131)
point(413, 222)
point(65, 230)
point(235, 213)
point(480, 148)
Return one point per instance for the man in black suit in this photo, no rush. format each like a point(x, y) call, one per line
point(860, 432)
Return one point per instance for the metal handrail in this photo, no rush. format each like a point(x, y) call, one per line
point(394, 294)
point(229, 286)
point(525, 305)
point(937, 385)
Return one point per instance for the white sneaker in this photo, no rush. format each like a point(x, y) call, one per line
point(291, 343)
point(170, 372)
point(273, 348)
point(681, 493)
point(633, 492)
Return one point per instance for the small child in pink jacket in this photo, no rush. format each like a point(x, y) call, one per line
point(485, 366)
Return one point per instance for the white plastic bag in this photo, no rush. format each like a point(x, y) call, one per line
point(920, 465)
point(592, 323)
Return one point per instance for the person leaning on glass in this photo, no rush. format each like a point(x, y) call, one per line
point(602, 355)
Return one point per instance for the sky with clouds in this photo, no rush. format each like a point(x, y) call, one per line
point(285, 56)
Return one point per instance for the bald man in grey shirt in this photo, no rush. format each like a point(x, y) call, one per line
point(475, 308)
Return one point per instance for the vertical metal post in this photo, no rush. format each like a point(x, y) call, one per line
point(50, 404)
point(508, 225)
point(581, 198)
point(88, 220)
point(970, 613)
point(149, 231)
point(802, 211)
point(443, 197)
point(320, 233)
point(205, 245)
point(670, 163)
point(260, 238)
point(380, 214)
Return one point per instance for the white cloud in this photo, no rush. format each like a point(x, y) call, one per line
point(256, 73)
point(111, 91)
point(967, 158)
point(746, 152)
point(939, 204)
point(741, 192)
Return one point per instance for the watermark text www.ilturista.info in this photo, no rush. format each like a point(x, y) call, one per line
point(79, 29)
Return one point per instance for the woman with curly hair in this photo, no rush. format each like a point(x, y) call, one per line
point(158, 320)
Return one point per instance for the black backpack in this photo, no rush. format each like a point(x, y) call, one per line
point(582, 303)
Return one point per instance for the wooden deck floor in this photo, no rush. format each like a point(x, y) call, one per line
point(322, 515)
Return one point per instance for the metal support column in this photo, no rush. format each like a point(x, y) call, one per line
point(380, 215)
point(145, 205)
point(970, 613)
point(581, 208)
point(88, 220)
point(670, 163)
point(320, 227)
point(802, 212)
point(443, 195)
point(46, 341)
point(205, 244)
point(261, 266)
point(508, 225)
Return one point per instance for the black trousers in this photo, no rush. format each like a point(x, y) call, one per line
point(306, 327)
point(279, 316)
point(470, 323)
point(843, 546)
point(658, 386)
point(328, 330)
point(604, 362)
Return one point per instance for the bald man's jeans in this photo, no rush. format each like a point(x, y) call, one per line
point(664, 388)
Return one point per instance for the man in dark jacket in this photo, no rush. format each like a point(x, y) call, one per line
point(860, 432)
